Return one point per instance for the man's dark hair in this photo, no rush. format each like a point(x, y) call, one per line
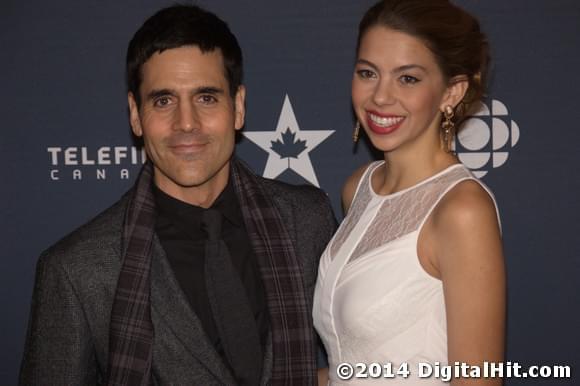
point(178, 26)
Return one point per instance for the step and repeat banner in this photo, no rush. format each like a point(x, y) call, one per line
point(67, 151)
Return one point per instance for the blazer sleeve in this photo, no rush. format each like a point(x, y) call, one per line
point(58, 349)
point(326, 223)
point(321, 225)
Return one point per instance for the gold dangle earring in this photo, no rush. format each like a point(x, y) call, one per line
point(448, 127)
point(355, 134)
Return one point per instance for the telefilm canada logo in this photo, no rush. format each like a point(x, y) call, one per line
point(94, 163)
point(486, 138)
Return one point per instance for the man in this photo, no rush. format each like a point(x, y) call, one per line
point(203, 273)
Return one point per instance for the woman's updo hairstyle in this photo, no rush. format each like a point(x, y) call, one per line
point(452, 35)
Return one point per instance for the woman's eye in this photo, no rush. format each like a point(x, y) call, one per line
point(408, 79)
point(365, 74)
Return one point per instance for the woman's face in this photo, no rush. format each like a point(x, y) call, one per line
point(398, 90)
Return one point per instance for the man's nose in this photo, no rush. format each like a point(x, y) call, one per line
point(188, 119)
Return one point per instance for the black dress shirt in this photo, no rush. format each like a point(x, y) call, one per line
point(178, 227)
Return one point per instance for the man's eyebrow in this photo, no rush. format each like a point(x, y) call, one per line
point(208, 90)
point(154, 94)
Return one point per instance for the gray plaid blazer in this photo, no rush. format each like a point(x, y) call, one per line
point(68, 332)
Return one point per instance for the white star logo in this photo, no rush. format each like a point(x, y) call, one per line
point(288, 147)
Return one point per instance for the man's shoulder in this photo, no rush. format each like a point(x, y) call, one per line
point(303, 203)
point(304, 194)
point(101, 234)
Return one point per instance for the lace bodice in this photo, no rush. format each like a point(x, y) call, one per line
point(373, 301)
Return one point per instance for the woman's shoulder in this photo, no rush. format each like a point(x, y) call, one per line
point(350, 186)
point(468, 202)
point(462, 236)
point(465, 226)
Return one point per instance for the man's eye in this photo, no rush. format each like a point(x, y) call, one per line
point(365, 74)
point(207, 99)
point(408, 79)
point(162, 101)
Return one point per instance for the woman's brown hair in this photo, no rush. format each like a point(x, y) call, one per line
point(453, 36)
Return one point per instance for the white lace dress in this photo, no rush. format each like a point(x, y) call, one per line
point(373, 301)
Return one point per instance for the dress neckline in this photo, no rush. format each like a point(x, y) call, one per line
point(412, 187)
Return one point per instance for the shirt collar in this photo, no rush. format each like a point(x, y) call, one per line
point(179, 211)
point(227, 203)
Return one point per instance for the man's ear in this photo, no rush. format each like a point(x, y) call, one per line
point(134, 115)
point(240, 107)
point(455, 92)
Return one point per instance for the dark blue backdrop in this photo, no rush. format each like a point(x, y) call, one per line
point(66, 150)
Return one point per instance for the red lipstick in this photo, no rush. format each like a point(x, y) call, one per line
point(383, 124)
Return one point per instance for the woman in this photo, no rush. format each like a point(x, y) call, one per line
point(415, 274)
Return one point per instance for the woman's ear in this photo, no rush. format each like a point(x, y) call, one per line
point(455, 91)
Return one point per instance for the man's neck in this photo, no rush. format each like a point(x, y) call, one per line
point(203, 195)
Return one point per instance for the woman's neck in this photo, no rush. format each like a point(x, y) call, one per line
point(405, 169)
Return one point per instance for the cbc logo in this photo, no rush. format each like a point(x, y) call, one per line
point(486, 138)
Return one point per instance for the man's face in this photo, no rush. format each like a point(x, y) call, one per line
point(188, 120)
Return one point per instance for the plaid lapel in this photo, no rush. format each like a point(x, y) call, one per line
point(292, 330)
point(131, 331)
